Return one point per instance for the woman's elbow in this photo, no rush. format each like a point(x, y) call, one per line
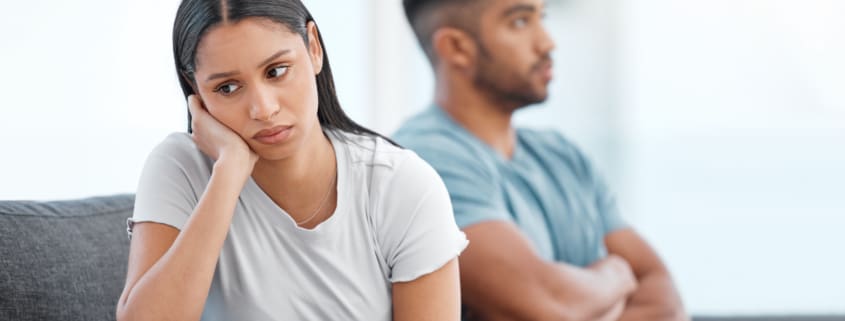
point(120, 313)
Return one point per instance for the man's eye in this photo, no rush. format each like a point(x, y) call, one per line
point(521, 22)
point(277, 71)
point(227, 89)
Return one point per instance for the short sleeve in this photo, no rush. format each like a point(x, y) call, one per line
point(416, 229)
point(169, 187)
point(606, 204)
point(472, 182)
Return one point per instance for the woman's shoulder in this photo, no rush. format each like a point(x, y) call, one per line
point(371, 151)
point(178, 151)
point(177, 144)
point(388, 169)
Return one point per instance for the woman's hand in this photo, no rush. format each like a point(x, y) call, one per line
point(217, 140)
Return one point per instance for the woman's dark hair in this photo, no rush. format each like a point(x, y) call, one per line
point(195, 17)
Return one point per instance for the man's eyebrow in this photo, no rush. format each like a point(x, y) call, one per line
point(518, 8)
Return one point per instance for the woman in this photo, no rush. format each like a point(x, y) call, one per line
point(278, 206)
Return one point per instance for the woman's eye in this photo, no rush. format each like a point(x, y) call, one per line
point(227, 89)
point(277, 71)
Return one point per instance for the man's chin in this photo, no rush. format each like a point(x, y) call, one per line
point(538, 98)
point(542, 93)
point(542, 97)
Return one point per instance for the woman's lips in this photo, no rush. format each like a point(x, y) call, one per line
point(273, 135)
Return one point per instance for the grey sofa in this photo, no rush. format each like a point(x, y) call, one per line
point(63, 260)
point(66, 260)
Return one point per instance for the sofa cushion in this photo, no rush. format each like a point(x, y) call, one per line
point(63, 260)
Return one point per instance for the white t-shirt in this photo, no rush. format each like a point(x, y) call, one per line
point(393, 223)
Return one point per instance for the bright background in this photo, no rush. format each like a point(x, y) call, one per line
point(720, 123)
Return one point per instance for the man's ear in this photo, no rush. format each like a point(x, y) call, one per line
point(454, 47)
point(315, 50)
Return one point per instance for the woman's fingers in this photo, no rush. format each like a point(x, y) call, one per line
point(196, 110)
point(213, 137)
point(199, 124)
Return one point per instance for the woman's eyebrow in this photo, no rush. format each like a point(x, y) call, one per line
point(273, 57)
point(263, 63)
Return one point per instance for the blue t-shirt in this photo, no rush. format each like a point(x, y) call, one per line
point(548, 188)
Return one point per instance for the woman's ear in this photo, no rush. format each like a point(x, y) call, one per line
point(315, 50)
point(454, 47)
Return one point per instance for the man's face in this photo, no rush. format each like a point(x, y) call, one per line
point(514, 63)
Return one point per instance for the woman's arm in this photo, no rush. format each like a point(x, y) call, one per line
point(170, 271)
point(435, 296)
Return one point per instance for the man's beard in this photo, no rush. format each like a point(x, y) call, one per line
point(512, 89)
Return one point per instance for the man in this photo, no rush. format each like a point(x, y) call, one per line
point(546, 239)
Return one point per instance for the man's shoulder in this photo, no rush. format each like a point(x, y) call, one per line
point(544, 136)
point(432, 135)
point(426, 122)
point(550, 140)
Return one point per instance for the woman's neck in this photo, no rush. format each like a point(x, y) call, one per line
point(316, 155)
point(300, 182)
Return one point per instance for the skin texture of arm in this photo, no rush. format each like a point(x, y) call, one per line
point(170, 271)
point(502, 278)
point(655, 298)
point(432, 297)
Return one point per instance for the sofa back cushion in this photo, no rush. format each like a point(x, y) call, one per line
point(63, 260)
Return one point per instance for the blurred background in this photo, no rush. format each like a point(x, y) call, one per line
point(719, 123)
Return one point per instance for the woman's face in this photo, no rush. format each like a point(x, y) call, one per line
point(258, 78)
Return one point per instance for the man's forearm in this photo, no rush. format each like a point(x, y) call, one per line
point(655, 300)
point(614, 313)
point(604, 287)
point(655, 297)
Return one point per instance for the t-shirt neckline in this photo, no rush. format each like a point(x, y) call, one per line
point(282, 218)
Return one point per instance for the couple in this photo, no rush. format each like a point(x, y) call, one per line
point(277, 206)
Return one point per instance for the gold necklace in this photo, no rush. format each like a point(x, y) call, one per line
point(322, 203)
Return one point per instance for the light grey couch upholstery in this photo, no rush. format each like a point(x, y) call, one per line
point(63, 260)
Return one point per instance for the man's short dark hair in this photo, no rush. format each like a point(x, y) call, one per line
point(426, 16)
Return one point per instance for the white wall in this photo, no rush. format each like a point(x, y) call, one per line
point(734, 130)
point(87, 90)
point(721, 123)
